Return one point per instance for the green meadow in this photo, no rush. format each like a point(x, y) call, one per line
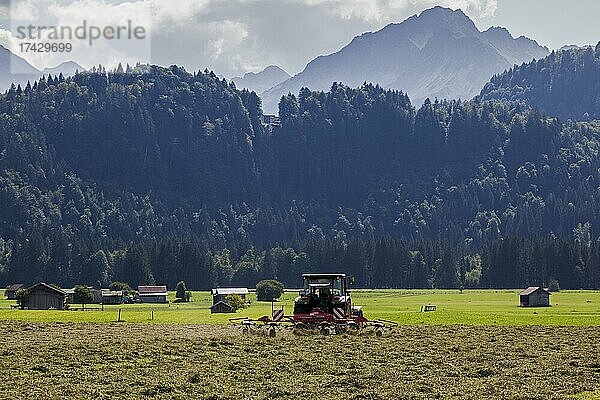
point(478, 345)
point(472, 307)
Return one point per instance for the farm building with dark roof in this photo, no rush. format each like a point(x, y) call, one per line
point(111, 296)
point(221, 308)
point(152, 294)
point(11, 290)
point(221, 294)
point(43, 297)
point(535, 296)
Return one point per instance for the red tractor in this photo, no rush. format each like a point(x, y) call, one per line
point(324, 305)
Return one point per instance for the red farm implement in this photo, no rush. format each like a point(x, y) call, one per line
point(323, 306)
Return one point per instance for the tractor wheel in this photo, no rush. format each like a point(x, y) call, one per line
point(300, 329)
point(353, 327)
point(272, 332)
point(325, 331)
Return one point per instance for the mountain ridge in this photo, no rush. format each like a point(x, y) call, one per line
point(438, 53)
point(258, 82)
point(16, 70)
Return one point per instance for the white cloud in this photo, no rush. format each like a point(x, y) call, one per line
point(24, 10)
point(7, 40)
point(389, 10)
point(173, 12)
point(76, 15)
point(225, 37)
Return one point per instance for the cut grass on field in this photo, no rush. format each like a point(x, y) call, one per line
point(588, 396)
point(50, 361)
point(485, 307)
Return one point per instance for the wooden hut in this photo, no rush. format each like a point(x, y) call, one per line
point(221, 308)
point(112, 296)
point(43, 297)
point(152, 294)
point(221, 294)
point(11, 290)
point(535, 296)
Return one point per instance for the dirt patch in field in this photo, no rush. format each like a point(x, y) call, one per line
point(126, 361)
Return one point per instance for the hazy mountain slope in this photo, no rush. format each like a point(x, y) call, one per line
point(14, 69)
point(67, 68)
point(439, 53)
point(261, 81)
point(564, 84)
point(511, 49)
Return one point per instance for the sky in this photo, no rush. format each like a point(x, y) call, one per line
point(232, 37)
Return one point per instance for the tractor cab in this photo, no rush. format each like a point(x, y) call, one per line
point(324, 292)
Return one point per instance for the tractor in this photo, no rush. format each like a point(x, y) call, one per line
point(324, 298)
point(324, 305)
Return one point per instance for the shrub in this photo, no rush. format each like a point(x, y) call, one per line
point(83, 295)
point(235, 301)
point(269, 290)
point(121, 287)
point(181, 292)
point(553, 285)
point(19, 296)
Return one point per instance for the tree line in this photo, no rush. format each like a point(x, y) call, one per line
point(377, 262)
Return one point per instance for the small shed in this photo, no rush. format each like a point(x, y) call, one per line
point(44, 297)
point(11, 290)
point(221, 308)
point(535, 296)
point(152, 294)
point(221, 294)
point(112, 296)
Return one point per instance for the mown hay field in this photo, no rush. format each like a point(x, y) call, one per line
point(155, 361)
point(472, 307)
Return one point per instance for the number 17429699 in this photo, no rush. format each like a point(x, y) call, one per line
point(41, 47)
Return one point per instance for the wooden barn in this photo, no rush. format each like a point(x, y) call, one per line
point(112, 296)
point(535, 296)
point(44, 297)
point(221, 294)
point(11, 290)
point(221, 308)
point(152, 294)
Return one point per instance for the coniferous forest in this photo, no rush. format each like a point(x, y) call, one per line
point(564, 84)
point(156, 175)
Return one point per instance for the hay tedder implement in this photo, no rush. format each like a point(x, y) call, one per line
point(324, 306)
